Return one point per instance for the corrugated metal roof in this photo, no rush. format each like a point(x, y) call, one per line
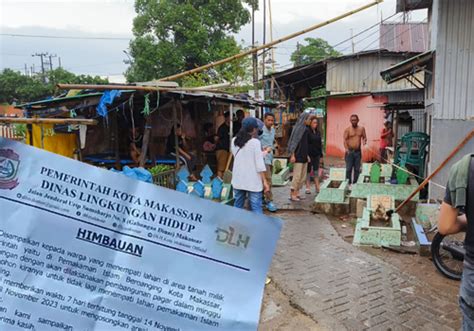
point(51, 101)
point(362, 74)
point(312, 75)
point(316, 74)
point(454, 77)
point(404, 37)
point(94, 98)
point(405, 96)
point(406, 5)
point(407, 67)
point(242, 99)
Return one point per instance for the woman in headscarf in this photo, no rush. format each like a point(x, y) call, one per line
point(315, 152)
point(298, 148)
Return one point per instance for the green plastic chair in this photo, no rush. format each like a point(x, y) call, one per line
point(412, 150)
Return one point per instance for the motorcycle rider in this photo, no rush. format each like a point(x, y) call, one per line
point(459, 198)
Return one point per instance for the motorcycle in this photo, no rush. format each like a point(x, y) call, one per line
point(448, 253)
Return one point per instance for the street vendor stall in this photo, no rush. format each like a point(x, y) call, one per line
point(114, 126)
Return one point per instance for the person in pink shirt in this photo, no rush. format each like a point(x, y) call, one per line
point(386, 137)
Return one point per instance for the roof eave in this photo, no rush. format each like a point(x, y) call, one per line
point(407, 68)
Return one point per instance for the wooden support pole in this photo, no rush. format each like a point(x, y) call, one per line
point(231, 125)
point(78, 145)
point(146, 141)
point(42, 137)
point(175, 126)
point(115, 140)
point(270, 44)
point(24, 120)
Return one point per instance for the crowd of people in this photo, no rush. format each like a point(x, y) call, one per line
point(251, 153)
point(252, 150)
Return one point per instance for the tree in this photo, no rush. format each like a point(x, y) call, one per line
point(16, 87)
point(176, 35)
point(315, 50)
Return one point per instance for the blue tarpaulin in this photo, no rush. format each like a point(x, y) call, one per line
point(136, 173)
point(106, 99)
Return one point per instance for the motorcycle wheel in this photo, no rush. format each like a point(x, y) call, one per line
point(449, 264)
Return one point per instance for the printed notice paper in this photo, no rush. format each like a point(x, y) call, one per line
point(83, 248)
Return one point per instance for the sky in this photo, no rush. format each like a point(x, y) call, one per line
point(114, 19)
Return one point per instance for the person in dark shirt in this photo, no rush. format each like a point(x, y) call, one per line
point(187, 157)
point(223, 145)
point(210, 141)
point(299, 157)
point(238, 122)
point(315, 152)
point(459, 197)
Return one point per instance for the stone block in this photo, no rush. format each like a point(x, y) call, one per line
point(386, 201)
point(337, 174)
point(361, 204)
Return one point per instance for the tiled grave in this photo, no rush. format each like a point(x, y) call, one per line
point(280, 178)
point(332, 198)
point(334, 189)
point(364, 187)
point(370, 231)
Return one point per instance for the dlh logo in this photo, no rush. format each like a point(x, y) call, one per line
point(230, 237)
point(9, 163)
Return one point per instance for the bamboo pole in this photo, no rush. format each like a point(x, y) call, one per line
point(271, 34)
point(106, 87)
point(24, 120)
point(270, 44)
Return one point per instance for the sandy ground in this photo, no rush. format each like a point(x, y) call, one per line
point(278, 314)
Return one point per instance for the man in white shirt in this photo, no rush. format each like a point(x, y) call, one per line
point(248, 173)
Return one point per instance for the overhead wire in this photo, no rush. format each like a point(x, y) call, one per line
point(356, 35)
point(332, 67)
point(349, 39)
point(63, 37)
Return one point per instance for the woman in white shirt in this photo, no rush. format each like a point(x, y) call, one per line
point(248, 173)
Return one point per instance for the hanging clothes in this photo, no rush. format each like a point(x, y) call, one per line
point(59, 143)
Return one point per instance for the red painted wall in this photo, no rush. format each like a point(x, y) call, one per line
point(339, 111)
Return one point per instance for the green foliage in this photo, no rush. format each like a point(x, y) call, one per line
point(20, 130)
point(60, 75)
point(176, 35)
point(160, 168)
point(317, 99)
point(315, 50)
point(15, 86)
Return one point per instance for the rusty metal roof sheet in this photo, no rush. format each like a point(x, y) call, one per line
point(404, 37)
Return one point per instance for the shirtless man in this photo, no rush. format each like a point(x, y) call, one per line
point(354, 136)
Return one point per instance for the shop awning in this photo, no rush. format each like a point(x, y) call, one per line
point(408, 68)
